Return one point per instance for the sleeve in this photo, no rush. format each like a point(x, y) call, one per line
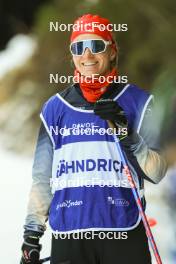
point(40, 195)
point(148, 160)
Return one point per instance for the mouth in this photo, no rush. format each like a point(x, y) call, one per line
point(89, 64)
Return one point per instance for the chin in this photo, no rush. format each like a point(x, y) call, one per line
point(93, 72)
point(89, 73)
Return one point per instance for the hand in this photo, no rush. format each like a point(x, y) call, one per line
point(31, 250)
point(108, 109)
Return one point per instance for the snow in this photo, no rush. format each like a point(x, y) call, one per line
point(19, 49)
point(15, 185)
point(15, 170)
point(158, 208)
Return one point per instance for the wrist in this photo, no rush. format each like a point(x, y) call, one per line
point(28, 233)
point(32, 237)
point(32, 240)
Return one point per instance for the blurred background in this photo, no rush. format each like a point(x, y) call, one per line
point(29, 52)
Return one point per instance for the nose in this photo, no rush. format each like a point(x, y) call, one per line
point(87, 53)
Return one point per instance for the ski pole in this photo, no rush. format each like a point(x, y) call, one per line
point(44, 260)
point(137, 199)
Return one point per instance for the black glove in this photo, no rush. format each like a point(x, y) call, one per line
point(108, 109)
point(31, 249)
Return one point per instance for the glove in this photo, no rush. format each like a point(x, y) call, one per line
point(108, 109)
point(31, 250)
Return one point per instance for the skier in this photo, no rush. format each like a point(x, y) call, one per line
point(85, 154)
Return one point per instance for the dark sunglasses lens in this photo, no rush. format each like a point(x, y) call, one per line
point(98, 46)
point(77, 48)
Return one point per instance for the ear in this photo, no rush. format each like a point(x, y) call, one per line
point(113, 54)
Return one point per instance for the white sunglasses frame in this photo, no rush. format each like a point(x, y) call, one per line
point(105, 42)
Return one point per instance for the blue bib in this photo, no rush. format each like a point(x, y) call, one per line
point(89, 186)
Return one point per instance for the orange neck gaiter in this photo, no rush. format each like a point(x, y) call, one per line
point(93, 88)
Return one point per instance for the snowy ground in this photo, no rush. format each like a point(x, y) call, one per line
point(158, 209)
point(15, 186)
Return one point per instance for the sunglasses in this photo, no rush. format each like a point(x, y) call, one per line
point(95, 45)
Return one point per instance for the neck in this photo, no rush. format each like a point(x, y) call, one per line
point(93, 88)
